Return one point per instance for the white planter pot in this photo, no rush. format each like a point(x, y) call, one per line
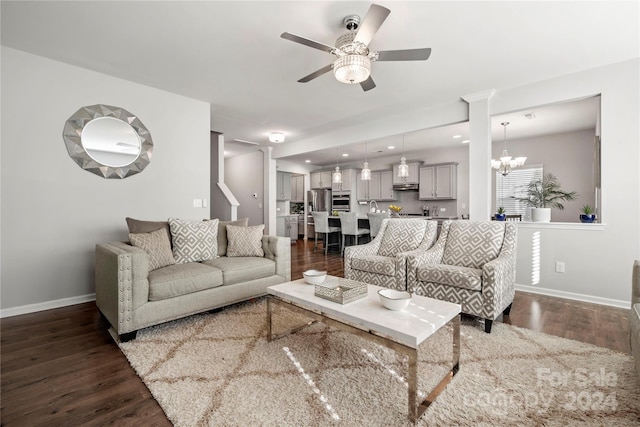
point(541, 215)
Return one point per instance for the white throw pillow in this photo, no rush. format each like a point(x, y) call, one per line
point(194, 241)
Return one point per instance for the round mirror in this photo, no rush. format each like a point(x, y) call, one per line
point(108, 141)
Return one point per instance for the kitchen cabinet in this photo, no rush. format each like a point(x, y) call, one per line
point(414, 174)
point(348, 178)
point(283, 186)
point(379, 188)
point(297, 188)
point(320, 180)
point(287, 226)
point(438, 182)
point(386, 185)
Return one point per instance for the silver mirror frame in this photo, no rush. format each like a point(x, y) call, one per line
point(72, 135)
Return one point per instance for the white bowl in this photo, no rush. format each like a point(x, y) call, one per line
point(394, 300)
point(314, 277)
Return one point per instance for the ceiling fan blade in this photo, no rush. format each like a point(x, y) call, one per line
point(367, 84)
point(308, 42)
point(315, 74)
point(405, 55)
point(371, 23)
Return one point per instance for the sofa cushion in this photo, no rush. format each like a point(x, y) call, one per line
point(245, 241)
point(182, 279)
point(137, 226)
point(243, 269)
point(194, 240)
point(402, 236)
point(473, 244)
point(451, 275)
point(222, 233)
point(375, 264)
point(156, 244)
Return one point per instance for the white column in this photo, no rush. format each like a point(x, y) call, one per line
point(479, 155)
point(269, 190)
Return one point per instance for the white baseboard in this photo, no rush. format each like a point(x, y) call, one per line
point(574, 296)
point(47, 305)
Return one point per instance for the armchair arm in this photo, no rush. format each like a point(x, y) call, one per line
point(499, 278)
point(278, 249)
point(122, 285)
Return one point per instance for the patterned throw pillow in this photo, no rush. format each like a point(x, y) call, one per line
point(245, 241)
point(194, 241)
point(402, 235)
point(222, 233)
point(157, 245)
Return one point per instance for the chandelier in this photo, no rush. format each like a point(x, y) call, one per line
point(506, 163)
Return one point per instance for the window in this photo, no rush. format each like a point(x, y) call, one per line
point(513, 185)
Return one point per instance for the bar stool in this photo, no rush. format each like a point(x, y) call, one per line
point(375, 221)
point(321, 225)
point(349, 226)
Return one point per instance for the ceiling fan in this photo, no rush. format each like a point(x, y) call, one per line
point(353, 63)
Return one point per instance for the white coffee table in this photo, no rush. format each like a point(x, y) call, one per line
point(402, 331)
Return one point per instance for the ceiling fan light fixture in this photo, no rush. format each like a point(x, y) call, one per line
point(352, 69)
point(276, 137)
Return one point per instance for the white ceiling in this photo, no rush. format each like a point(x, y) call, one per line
point(230, 54)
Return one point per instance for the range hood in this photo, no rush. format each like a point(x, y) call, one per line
point(405, 187)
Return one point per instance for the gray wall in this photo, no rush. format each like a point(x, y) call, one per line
point(53, 212)
point(569, 156)
point(245, 176)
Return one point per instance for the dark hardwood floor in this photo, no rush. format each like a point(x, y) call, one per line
point(61, 367)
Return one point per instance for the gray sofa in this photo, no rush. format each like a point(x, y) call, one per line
point(634, 318)
point(131, 297)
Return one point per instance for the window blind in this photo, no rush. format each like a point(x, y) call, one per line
point(514, 185)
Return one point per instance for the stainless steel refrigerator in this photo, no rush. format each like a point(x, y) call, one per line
point(318, 201)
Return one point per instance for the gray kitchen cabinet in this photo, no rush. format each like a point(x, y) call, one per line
point(379, 188)
point(320, 180)
point(386, 185)
point(348, 176)
point(297, 188)
point(438, 182)
point(287, 226)
point(283, 186)
point(414, 174)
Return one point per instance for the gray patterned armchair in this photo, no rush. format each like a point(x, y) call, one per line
point(383, 261)
point(473, 264)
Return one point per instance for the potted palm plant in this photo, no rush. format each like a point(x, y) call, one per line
point(544, 194)
point(587, 215)
point(501, 214)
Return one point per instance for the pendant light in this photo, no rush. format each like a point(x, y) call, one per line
point(337, 175)
point(403, 168)
point(365, 175)
point(506, 163)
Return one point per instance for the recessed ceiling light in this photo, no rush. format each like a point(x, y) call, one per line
point(307, 161)
point(457, 136)
point(466, 141)
point(345, 154)
point(391, 147)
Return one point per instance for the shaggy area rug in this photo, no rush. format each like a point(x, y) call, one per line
point(218, 369)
